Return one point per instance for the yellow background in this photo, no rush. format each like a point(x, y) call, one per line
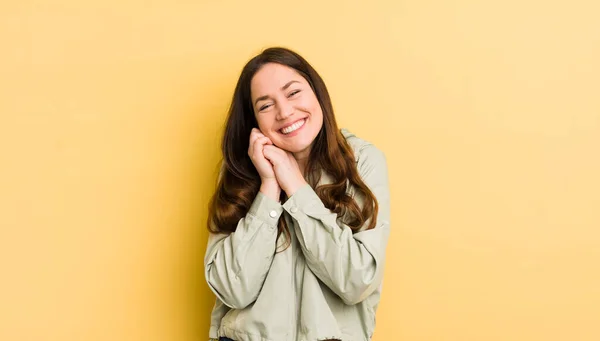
point(488, 111)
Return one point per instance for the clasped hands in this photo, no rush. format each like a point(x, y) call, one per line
point(278, 169)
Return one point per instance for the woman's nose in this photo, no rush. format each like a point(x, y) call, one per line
point(285, 110)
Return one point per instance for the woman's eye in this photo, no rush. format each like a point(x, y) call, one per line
point(264, 107)
point(293, 93)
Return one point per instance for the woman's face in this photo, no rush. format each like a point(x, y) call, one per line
point(286, 108)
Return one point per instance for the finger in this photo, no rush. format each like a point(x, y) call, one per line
point(268, 153)
point(253, 136)
point(272, 153)
point(277, 149)
point(259, 143)
point(256, 132)
point(261, 136)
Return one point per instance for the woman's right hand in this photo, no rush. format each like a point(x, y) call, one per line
point(255, 151)
point(269, 185)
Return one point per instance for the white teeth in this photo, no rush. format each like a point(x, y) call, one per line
point(293, 127)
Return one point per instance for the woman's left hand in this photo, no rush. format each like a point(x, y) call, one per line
point(286, 169)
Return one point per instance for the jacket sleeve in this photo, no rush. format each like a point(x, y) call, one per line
point(351, 265)
point(236, 264)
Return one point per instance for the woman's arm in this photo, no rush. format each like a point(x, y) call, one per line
point(351, 265)
point(236, 264)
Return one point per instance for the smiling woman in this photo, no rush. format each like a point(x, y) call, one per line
point(300, 218)
point(288, 114)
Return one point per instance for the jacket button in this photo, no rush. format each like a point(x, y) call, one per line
point(294, 209)
point(273, 214)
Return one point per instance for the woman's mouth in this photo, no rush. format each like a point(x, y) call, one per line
point(294, 127)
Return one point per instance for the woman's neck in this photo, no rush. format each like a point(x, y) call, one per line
point(302, 159)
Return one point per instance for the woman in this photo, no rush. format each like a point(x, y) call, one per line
point(300, 218)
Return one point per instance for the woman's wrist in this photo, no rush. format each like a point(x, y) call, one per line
point(290, 190)
point(271, 189)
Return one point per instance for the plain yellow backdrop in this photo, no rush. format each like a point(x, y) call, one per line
point(488, 112)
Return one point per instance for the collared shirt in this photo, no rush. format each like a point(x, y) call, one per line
point(325, 285)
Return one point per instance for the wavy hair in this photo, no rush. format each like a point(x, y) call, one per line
point(239, 182)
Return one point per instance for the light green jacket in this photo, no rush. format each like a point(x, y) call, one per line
point(325, 285)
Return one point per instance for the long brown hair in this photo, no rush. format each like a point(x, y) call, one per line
point(239, 181)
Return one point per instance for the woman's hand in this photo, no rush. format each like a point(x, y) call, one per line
point(269, 185)
point(286, 169)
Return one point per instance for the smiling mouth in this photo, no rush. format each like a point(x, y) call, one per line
point(292, 128)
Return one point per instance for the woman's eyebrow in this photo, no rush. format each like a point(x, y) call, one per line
point(288, 84)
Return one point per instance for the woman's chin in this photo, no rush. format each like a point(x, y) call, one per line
point(292, 149)
point(299, 149)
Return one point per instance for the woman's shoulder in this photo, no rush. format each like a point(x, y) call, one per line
point(363, 150)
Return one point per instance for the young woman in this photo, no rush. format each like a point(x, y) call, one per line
point(301, 215)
